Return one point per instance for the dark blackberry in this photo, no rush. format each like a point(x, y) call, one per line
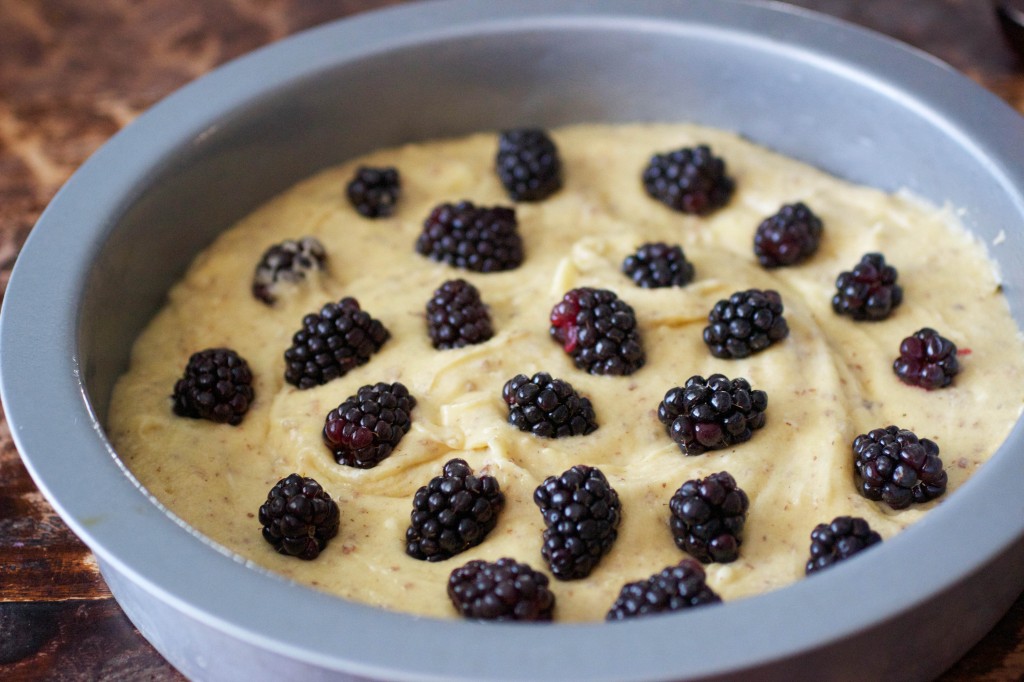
point(373, 192)
point(790, 236)
point(675, 588)
point(546, 407)
point(658, 265)
point(341, 337)
point(869, 291)
point(456, 316)
point(452, 513)
point(599, 331)
point(500, 590)
point(712, 414)
point(475, 238)
point(363, 430)
point(838, 541)
point(746, 323)
point(217, 385)
point(896, 467)
point(528, 164)
point(708, 517)
point(690, 180)
point(927, 360)
point(299, 517)
point(581, 513)
point(286, 263)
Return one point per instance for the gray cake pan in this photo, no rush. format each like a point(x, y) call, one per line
point(99, 262)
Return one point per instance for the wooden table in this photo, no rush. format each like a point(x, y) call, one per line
point(73, 72)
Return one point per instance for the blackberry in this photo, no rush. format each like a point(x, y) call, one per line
point(927, 360)
point(475, 238)
point(299, 517)
point(745, 323)
point(599, 331)
point(790, 236)
point(581, 513)
point(373, 192)
point(676, 587)
point(456, 316)
point(546, 407)
point(713, 413)
point(288, 262)
point(708, 516)
point(363, 430)
point(894, 466)
point(528, 164)
point(658, 265)
point(331, 343)
point(838, 541)
point(690, 180)
point(869, 291)
point(217, 385)
point(500, 590)
point(452, 513)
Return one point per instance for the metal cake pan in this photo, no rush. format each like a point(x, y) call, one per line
point(100, 260)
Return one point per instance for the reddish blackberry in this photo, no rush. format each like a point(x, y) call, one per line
point(341, 337)
point(927, 360)
point(790, 236)
point(745, 323)
point(581, 513)
point(546, 407)
point(712, 414)
point(599, 331)
point(299, 517)
point(456, 316)
point(363, 430)
point(658, 265)
point(286, 263)
point(373, 192)
point(452, 513)
point(677, 587)
point(690, 180)
point(838, 541)
point(500, 590)
point(217, 385)
point(869, 291)
point(894, 466)
point(708, 517)
point(475, 238)
point(528, 164)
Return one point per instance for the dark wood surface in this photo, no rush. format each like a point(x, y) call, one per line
point(73, 72)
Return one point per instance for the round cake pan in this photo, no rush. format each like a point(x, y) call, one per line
point(100, 261)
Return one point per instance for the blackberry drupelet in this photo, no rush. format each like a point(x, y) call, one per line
point(869, 291)
point(286, 263)
point(599, 331)
point(713, 413)
point(331, 343)
point(581, 513)
point(927, 359)
point(363, 430)
point(838, 541)
point(528, 164)
point(789, 237)
point(479, 239)
point(745, 323)
point(216, 385)
point(299, 517)
point(373, 192)
point(547, 407)
point(676, 587)
point(457, 317)
point(657, 265)
point(708, 517)
point(452, 513)
point(690, 180)
point(896, 467)
point(501, 590)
